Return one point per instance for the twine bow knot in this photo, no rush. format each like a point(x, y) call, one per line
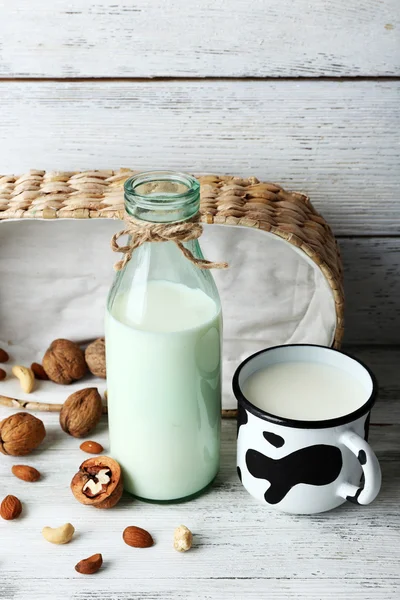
point(143, 231)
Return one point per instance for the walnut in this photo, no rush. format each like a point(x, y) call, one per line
point(98, 482)
point(81, 412)
point(20, 434)
point(64, 362)
point(95, 355)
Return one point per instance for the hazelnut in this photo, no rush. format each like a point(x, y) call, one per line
point(64, 362)
point(95, 356)
point(98, 482)
point(183, 538)
point(81, 412)
point(20, 434)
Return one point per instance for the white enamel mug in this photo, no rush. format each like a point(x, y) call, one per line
point(306, 467)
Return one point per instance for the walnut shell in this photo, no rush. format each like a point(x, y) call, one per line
point(108, 493)
point(64, 362)
point(20, 434)
point(81, 412)
point(95, 356)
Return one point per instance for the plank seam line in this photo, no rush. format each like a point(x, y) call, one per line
point(106, 79)
point(364, 346)
point(352, 236)
point(227, 578)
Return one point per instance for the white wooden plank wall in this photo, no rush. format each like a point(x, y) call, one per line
point(372, 288)
point(76, 92)
point(179, 38)
point(339, 142)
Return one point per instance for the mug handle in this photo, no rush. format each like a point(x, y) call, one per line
point(370, 466)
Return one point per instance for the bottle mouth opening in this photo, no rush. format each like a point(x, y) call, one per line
point(167, 188)
point(162, 196)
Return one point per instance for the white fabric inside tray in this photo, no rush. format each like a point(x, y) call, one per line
point(55, 276)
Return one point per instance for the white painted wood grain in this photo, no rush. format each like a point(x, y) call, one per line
point(384, 361)
point(339, 142)
point(218, 588)
point(147, 38)
point(372, 290)
point(241, 550)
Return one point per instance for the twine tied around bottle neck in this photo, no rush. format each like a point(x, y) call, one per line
point(144, 231)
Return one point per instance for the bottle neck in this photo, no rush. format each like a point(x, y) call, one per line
point(162, 197)
point(168, 253)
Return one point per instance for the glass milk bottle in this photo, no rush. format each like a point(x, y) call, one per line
point(163, 344)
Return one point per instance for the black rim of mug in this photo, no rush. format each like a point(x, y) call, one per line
point(322, 424)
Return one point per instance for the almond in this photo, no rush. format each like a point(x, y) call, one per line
point(39, 372)
point(90, 565)
point(137, 537)
point(10, 508)
point(3, 374)
point(91, 447)
point(25, 472)
point(3, 356)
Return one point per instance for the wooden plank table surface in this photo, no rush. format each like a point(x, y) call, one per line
point(241, 548)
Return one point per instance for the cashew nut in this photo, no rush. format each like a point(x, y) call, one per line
point(183, 539)
point(25, 376)
point(59, 535)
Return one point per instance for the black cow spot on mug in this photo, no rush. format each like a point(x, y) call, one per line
point(366, 427)
point(362, 457)
point(274, 439)
point(354, 498)
point(314, 465)
point(242, 417)
point(239, 472)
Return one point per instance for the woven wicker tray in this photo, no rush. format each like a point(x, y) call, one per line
point(224, 200)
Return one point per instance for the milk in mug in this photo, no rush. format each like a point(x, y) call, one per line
point(309, 391)
point(164, 388)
